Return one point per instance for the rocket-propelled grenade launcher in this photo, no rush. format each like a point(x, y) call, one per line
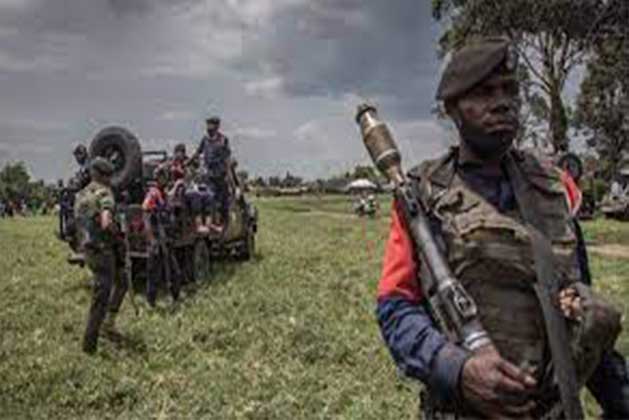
point(452, 307)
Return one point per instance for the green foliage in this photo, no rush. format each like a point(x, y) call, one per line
point(14, 180)
point(16, 185)
point(603, 104)
point(552, 36)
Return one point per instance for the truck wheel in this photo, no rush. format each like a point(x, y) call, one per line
point(202, 261)
point(122, 148)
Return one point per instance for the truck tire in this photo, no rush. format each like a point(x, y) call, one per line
point(123, 149)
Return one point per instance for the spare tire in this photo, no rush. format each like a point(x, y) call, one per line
point(123, 150)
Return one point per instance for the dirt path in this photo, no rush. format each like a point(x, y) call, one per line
point(612, 250)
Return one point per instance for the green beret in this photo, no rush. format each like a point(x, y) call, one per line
point(102, 166)
point(473, 63)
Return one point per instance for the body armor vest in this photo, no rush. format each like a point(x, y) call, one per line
point(490, 253)
point(215, 155)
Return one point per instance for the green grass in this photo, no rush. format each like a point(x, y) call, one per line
point(289, 335)
point(606, 231)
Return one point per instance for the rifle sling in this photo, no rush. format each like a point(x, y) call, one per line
point(547, 288)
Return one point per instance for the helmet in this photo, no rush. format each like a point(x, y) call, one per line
point(80, 150)
point(213, 120)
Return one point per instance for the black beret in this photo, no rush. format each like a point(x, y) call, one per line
point(473, 63)
point(213, 120)
point(102, 166)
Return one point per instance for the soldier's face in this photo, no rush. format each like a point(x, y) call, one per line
point(81, 158)
point(492, 106)
point(212, 128)
point(487, 116)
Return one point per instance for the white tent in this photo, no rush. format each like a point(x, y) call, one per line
point(361, 185)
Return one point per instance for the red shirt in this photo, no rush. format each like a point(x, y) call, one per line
point(154, 199)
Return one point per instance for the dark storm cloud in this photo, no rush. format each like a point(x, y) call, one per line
point(373, 48)
point(285, 74)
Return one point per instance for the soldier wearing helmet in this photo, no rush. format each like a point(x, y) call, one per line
point(82, 177)
point(481, 195)
point(95, 209)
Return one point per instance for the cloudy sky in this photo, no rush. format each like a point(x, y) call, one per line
point(285, 75)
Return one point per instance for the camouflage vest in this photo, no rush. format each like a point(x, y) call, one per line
point(90, 202)
point(490, 252)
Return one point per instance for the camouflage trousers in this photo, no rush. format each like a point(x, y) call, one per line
point(109, 289)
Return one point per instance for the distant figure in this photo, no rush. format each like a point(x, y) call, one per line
point(82, 177)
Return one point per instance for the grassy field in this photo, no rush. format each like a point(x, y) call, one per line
point(291, 334)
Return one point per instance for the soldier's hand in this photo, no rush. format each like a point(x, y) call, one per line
point(106, 220)
point(570, 303)
point(495, 387)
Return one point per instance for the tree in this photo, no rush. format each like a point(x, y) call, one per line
point(603, 104)
point(365, 171)
point(275, 181)
point(291, 181)
point(552, 36)
point(14, 181)
point(243, 176)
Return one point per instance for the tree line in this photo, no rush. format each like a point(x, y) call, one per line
point(19, 193)
point(555, 39)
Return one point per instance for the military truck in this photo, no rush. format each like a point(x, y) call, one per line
point(133, 170)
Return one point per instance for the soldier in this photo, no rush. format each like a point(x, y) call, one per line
point(216, 157)
point(161, 265)
point(178, 164)
point(478, 218)
point(95, 210)
point(82, 177)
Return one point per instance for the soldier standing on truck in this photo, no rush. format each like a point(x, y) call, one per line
point(95, 210)
point(216, 157)
point(161, 265)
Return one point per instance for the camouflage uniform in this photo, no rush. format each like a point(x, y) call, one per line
point(478, 218)
point(102, 256)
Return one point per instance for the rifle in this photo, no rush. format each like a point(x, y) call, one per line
point(161, 242)
point(128, 266)
point(451, 306)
